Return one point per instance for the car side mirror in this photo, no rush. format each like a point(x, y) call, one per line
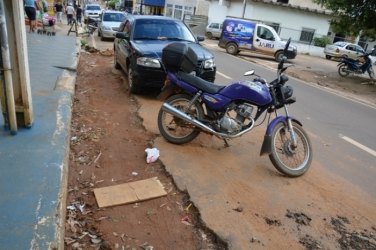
point(122, 35)
point(200, 38)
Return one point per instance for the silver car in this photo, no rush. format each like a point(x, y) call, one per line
point(213, 30)
point(343, 49)
point(110, 21)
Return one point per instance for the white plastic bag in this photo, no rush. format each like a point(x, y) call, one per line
point(152, 154)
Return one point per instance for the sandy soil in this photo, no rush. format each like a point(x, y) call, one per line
point(107, 145)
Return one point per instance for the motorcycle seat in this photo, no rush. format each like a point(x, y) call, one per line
point(200, 83)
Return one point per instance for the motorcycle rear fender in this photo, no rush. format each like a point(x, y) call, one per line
point(266, 147)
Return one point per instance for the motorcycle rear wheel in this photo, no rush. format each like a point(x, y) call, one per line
point(288, 160)
point(343, 70)
point(174, 129)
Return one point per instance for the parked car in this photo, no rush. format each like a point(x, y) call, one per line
point(109, 23)
point(92, 10)
point(343, 49)
point(138, 49)
point(213, 30)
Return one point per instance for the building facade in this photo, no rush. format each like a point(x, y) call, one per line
point(301, 20)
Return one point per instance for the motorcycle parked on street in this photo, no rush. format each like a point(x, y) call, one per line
point(194, 105)
point(348, 65)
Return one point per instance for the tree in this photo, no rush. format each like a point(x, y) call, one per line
point(352, 16)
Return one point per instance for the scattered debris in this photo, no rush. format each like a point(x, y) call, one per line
point(309, 243)
point(185, 220)
point(272, 222)
point(106, 52)
point(358, 240)
point(238, 209)
point(300, 218)
point(146, 246)
point(152, 155)
point(255, 240)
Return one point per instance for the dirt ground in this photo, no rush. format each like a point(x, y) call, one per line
point(108, 145)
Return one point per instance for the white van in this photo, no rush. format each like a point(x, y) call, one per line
point(242, 34)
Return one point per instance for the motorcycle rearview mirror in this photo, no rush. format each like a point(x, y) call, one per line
point(285, 50)
point(283, 60)
point(249, 73)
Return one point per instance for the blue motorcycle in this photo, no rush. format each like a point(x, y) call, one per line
point(348, 65)
point(194, 105)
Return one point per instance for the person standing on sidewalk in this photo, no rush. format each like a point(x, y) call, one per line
point(31, 13)
point(59, 11)
point(79, 14)
point(70, 12)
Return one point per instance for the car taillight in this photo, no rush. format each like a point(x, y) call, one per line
point(337, 50)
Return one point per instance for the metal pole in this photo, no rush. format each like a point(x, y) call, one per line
point(9, 93)
point(244, 5)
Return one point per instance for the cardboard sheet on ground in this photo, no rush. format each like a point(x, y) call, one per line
point(129, 192)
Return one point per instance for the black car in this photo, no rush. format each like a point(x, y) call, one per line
point(138, 49)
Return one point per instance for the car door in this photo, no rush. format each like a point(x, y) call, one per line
point(353, 51)
point(264, 40)
point(359, 51)
point(123, 46)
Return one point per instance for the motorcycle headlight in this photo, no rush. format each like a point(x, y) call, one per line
point(148, 62)
point(209, 64)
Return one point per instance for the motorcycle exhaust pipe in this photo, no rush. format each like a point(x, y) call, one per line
point(175, 112)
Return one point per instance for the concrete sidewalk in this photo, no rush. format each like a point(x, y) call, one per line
point(34, 162)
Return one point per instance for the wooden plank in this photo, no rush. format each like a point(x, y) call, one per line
point(129, 192)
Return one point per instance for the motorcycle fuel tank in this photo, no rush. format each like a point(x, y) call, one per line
point(253, 92)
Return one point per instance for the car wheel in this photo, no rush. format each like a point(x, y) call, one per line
point(328, 57)
point(102, 38)
point(232, 48)
point(209, 35)
point(278, 56)
point(132, 82)
point(99, 33)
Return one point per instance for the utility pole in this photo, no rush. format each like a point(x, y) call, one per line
point(15, 89)
point(244, 5)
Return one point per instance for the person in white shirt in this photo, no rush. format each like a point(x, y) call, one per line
point(70, 13)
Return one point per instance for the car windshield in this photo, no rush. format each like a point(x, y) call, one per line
point(148, 29)
point(113, 17)
point(93, 7)
point(340, 44)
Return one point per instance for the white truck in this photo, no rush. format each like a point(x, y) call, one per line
point(241, 34)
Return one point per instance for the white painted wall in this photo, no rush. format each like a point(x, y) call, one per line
point(286, 17)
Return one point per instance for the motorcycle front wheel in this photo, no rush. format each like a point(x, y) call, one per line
point(287, 159)
point(343, 70)
point(174, 129)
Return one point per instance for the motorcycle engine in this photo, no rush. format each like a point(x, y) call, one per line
point(233, 120)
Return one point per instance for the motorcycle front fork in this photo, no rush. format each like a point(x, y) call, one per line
point(290, 127)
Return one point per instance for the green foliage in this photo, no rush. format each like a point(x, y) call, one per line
point(352, 16)
point(321, 41)
point(111, 4)
point(83, 43)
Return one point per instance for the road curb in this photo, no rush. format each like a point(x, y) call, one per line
point(66, 83)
